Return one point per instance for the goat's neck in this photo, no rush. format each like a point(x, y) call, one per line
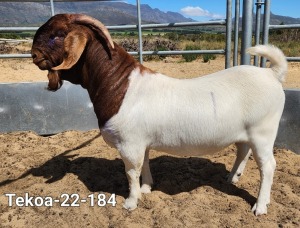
point(106, 79)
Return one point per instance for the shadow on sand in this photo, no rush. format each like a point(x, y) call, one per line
point(171, 175)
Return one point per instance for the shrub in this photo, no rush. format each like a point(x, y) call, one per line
point(191, 57)
point(10, 36)
point(208, 57)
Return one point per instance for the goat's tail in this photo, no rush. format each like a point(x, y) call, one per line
point(278, 61)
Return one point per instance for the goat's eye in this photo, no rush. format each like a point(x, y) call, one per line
point(53, 39)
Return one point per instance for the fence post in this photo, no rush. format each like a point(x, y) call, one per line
point(266, 24)
point(257, 27)
point(52, 7)
point(228, 33)
point(247, 31)
point(236, 32)
point(138, 5)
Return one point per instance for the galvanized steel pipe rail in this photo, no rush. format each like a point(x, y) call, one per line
point(291, 26)
point(133, 27)
point(139, 27)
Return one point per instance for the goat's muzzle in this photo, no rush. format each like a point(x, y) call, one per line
point(39, 60)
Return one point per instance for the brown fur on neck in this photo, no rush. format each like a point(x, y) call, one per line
point(105, 76)
point(76, 48)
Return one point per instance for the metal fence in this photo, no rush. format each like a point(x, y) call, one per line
point(231, 27)
point(261, 35)
point(139, 26)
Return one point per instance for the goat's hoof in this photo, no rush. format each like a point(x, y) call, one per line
point(233, 179)
point(259, 210)
point(130, 204)
point(146, 189)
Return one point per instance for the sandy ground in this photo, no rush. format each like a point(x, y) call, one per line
point(188, 192)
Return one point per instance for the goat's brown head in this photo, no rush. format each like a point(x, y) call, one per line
point(60, 42)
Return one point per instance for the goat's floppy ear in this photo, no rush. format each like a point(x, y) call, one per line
point(74, 45)
point(95, 25)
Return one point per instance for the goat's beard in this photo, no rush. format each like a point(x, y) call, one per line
point(55, 81)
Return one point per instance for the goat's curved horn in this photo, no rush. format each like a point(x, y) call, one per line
point(95, 24)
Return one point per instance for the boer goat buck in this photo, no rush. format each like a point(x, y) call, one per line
point(139, 110)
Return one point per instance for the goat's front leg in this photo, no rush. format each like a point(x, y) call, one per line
point(133, 160)
point(147, 180)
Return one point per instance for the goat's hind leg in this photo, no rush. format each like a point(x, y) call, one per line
point(266, 162)
point(242, 156)
point(262, 146)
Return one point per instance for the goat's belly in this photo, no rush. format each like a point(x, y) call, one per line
point(192, 150)
point(194, 144)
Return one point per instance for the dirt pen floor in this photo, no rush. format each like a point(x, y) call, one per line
point(188, 192)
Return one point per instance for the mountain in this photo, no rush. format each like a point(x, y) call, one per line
point(274, 20)
point(277, 20)
point(110, 13)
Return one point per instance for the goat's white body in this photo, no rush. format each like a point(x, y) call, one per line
point(197, 116)
point(192, 117)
